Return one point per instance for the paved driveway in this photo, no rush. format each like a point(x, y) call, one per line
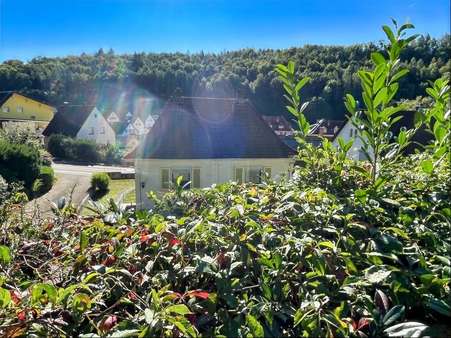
point(70, 178)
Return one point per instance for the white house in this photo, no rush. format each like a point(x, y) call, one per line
point(96, 128)
point(150, 121)
point(113, 118)
point(347, 132)
point(207, 141)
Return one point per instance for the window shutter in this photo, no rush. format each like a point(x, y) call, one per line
point(165, 178)
point(239, 175)
point(196, 178)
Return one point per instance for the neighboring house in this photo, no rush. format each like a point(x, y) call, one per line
point(208, 141)
point(150, 121)
point(17, 108)
point(139, 126)
point(324, 129)
point(279, 125)
point(82, 122)
point(113, 118)
point(346, 130)
point(282, 128)
point(96, 128)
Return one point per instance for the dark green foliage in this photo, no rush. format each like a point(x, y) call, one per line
point(67, 148)
point(247, 72)
point(60, 146)
point(110, 154)
point(44, 181)
point(100, 182)
point(19, 162)
point(85, 151)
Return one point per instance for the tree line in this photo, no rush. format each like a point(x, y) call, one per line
point(247, 73)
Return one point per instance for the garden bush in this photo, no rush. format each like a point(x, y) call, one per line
point(60, 146)
point(67, 148)
point(44, 182)
point(100, 182)
point(19, 162)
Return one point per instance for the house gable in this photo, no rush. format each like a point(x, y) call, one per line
point(96, 128)
point(113, 118)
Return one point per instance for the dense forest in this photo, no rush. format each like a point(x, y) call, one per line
point(246, 73)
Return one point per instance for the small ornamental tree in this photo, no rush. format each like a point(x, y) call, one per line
point(380, 85)
point(292, 85)
point(437, 120)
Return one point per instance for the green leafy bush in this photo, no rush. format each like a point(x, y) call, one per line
point(19, 162)
point(100, 182)
point(44, 182)
point(85, 151)
point(60, 146)
point(67, 148)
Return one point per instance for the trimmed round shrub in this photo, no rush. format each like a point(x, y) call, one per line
point(19, 162)
point(44, 182)
point(100, 182)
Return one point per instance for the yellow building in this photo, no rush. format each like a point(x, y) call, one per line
point(16, 108)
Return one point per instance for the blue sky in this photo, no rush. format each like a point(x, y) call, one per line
point(30, 28)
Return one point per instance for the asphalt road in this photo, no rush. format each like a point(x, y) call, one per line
point(70, 179)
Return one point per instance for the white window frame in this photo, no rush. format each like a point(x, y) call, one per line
point(19, 109)
point(245, 173)
point(166, 185)
point(5, 109)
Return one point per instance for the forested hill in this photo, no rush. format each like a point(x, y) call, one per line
point(246, 73)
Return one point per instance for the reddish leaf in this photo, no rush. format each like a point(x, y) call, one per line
point(15, 296)
point(108, 323)
point(363, 322)
point(198, 294)
point(132, 295)
point(110, 260)
point(22, 315)
point(174, 241)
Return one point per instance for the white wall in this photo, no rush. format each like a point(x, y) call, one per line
point(355, 152)
point(148, 172)
point(102, 131)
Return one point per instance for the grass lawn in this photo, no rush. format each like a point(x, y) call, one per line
point(117, 187)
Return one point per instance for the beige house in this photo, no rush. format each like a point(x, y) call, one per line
point(208, 141)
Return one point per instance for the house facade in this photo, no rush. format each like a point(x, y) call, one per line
point(16, 108)
point(96, 128)
point(208, 141)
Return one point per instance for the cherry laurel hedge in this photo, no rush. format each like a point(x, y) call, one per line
point(321, 254)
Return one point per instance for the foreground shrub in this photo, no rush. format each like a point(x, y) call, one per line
point(19, 162)
point(44, 182)
point(286, 259)
point(100, 182)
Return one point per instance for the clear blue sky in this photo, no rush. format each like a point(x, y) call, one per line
point(30, 28)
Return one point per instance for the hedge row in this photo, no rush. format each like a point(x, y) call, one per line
point(68, 148)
